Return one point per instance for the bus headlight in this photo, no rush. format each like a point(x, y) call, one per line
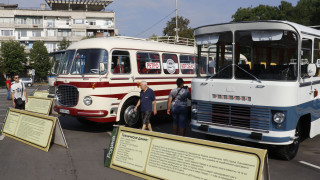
point(194, 108)
point(87, 100)
point(279, 117)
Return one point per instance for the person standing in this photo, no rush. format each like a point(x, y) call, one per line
point(147, 98)
point(178, 107)
point(19, 95)
point(8, 85)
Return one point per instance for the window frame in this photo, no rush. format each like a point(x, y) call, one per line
point(194, 63)
point(137, 52)
point(178, 62)
point(111, 56)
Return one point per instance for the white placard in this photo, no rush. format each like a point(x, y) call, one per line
point(187, 66)
point(152, 65)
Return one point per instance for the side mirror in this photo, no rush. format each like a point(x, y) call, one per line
point(102, 68)
point(312, 70)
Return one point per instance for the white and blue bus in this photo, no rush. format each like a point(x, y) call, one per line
point(271, 100)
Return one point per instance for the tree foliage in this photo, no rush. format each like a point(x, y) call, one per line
point(306, 12)
point(13, 58)
point(183, 25)
point(64, 44)
point(39, 58)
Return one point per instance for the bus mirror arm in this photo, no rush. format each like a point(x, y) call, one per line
point(101, 67)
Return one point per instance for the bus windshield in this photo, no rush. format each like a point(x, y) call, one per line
point(84, 61)
point(258, 55)
point(272, 55)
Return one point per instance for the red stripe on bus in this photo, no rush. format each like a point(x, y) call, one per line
point(120, 96)
point(107, 84)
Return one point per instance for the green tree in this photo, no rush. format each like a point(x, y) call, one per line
point(183, 25)
point(261, 12)
point(13, 58)
point(153, 37)
point(64, 44)
point(306, 12)
point(39, 58)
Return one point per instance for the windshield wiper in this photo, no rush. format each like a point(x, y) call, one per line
point(258, 80)
point(219, 72)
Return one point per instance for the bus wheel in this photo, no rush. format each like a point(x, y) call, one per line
point(128, 116)
point(288, 152)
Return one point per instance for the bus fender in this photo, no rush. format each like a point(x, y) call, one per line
point(124, 99)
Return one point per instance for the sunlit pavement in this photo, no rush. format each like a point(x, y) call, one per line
point(84, 158)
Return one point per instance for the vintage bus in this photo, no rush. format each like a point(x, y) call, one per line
point(98, 78)
point(274, 101)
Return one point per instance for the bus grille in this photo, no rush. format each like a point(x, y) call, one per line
point(232, 115)
point(67, 95)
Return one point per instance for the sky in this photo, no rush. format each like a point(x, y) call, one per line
point(133, 17)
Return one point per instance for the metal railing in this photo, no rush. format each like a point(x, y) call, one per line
point(172, 40)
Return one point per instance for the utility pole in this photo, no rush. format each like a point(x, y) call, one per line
point(177, 29)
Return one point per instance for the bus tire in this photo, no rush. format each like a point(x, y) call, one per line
point(128, 116)
point(288, 152)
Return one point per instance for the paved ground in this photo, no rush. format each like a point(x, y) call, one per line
point(84, 158)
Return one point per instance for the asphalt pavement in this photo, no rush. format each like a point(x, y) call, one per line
point(84, 159)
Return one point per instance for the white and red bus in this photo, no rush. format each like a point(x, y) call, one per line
point(98, 78)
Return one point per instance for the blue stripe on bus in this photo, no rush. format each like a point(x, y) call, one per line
point(242, 135)
point(293, 113)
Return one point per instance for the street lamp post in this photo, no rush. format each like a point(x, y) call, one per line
point(176, 29)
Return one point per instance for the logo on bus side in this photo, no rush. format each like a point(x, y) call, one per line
point(171, 66)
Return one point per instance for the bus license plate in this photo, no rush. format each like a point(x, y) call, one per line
point(65, 111)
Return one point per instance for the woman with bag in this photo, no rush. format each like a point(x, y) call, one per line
point(19, 95)
point(178, 107)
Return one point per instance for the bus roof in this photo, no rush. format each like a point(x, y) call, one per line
point(256, 25)
point(110, 43)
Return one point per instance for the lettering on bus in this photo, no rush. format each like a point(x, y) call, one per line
point(187, 66)
point(152, 65)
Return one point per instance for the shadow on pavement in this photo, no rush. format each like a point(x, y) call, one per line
point(71, 123)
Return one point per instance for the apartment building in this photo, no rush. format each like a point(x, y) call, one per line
point(55, 20)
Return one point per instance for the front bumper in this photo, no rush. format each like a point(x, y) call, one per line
point(271, 137)
point(79, 112)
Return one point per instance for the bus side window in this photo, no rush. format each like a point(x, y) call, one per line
point(211, 65)
point(187, 64)
point(316, 55)
point(148, 63)
point(203, 65)
point(170, 63)
point(305, 56)
point(120, 62)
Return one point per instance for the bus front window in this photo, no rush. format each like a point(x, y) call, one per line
point(87, 61)
point(271, 55)
point(217, 49)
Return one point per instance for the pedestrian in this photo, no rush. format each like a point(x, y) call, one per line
point(147, 98)
point(178, 107)
point(8, 86)
point(19, 95)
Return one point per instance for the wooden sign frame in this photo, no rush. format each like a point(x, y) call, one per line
point(42, 98)
point(53, 121)
point(41, 92)
point(124, 141)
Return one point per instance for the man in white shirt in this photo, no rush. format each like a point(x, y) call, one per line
point(19, 95)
